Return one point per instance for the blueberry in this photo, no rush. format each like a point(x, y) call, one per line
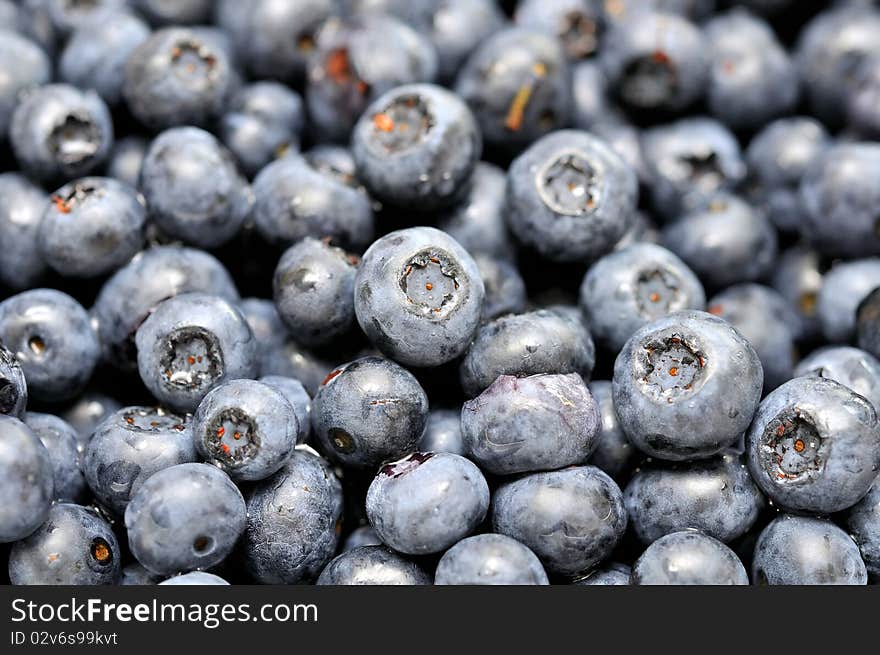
point(417, 13)
point(518, 84)
point(688, 162)
point(416, 145)
point(369, 411)
point(53, 340)
point(863, 523)
point(67, 17)
point(21, 210)
point(426, 502)
point(490, 559)
point(296, 394)
point(58, 131)
point(246, 428)
point(590, 102)
point(418, 296)
point(715, 496)
point(293, 516)
point(861, 100)
point(572, 519)
point(289, 359)
point(643, 230)
point(23, 65)
point(853, 368)
point(190, 344)
point(656, 61)
point(176, 12)
point(613, 574)
point(293, 200)
point(136, 574)
point(193, 188)
point(797, 277)
point(614, 454)
point(198, 578)
point(442, 433)
point(178, 76)
point(868, 324)
point(355, 61)
point(128, 447)
point(814, 446)
point(570, 196)
point(633, 286)
point(768, 323)
point(457, 28)
point(362, 536)
point(13, 387)
point(542, 341)
point(26, 475)
point(133, 292)
point(184, 517)
point(73, 547)
point(688, 558)
point(95, 55)
point(314, 291)
point(61, 442)
point(844, 287)
point(796, 550)
point(84, 415)
point(505, 290)
point(372, 565)
point(536, 423)
point(126, 160)
point(91, 227)
point(262, 121)
point(625, 139)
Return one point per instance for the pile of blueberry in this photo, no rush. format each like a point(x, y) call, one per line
point(440, 291)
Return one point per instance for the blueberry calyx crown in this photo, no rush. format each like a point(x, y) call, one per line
point(430, 283)
point(232, 437)
point(75, 139)
point(570, 185)
point(404, 123)
point(792, 448)
point(191, 358)
point(405, 465)
point(672, 367)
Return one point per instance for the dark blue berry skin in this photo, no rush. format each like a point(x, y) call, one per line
point(293, 200)
point(536, 423)
point(23, 65)
point(797, 277)
point(778, 156)
point(196, 578)
point(296, 394)
point(264, 321)
point(590, 101)
point(91, 227)
point(87, 413)
point(291, 532)
point(355, 61)
point(95, 55)
point(136, 575)
point(518, 84)
point(416, 146)
point(246, 428)
point(608, 575)
point(26, 475)
point(362, 536)
point(686, 386)
point(477, 221)
point(131, 445)
point(868, 324)
point(624, 139)
point(126, 160)
point(53, 340)
point(715, 496)
point(334, 160)
point(74, 546)
point(489, 559)
point(656, 61)
point(369, 411)
point(570, 196)
point(134, 291)
point(814, 446)
point(442, 433)
point(724, 242)
point(262, 121)
point(60, 132)
point(66, 17)
point(863, 523)
point(457, 28)
point(190, 344)
point(418, 296)
point(574, 23)
point(505, 290)
point(372, 565)
point(839, 193)
point(575, 530)
point(179, 12)
point(752, 79)
point(178, 76)
point(21, 210)
point(861, 101)
point(844, 287)
point(544, 341)
point(768, 323)
point(614, 454)
point(193, 189)
point(274, 38)
point(61, 442)
point(688, 162)
point(853, 368)
point(633, 286)
point(797, 550)
point(314, 291)
point(289, 359)
point(426, 502)
point(183, 518)
point(13, 387)
point(688, 557)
